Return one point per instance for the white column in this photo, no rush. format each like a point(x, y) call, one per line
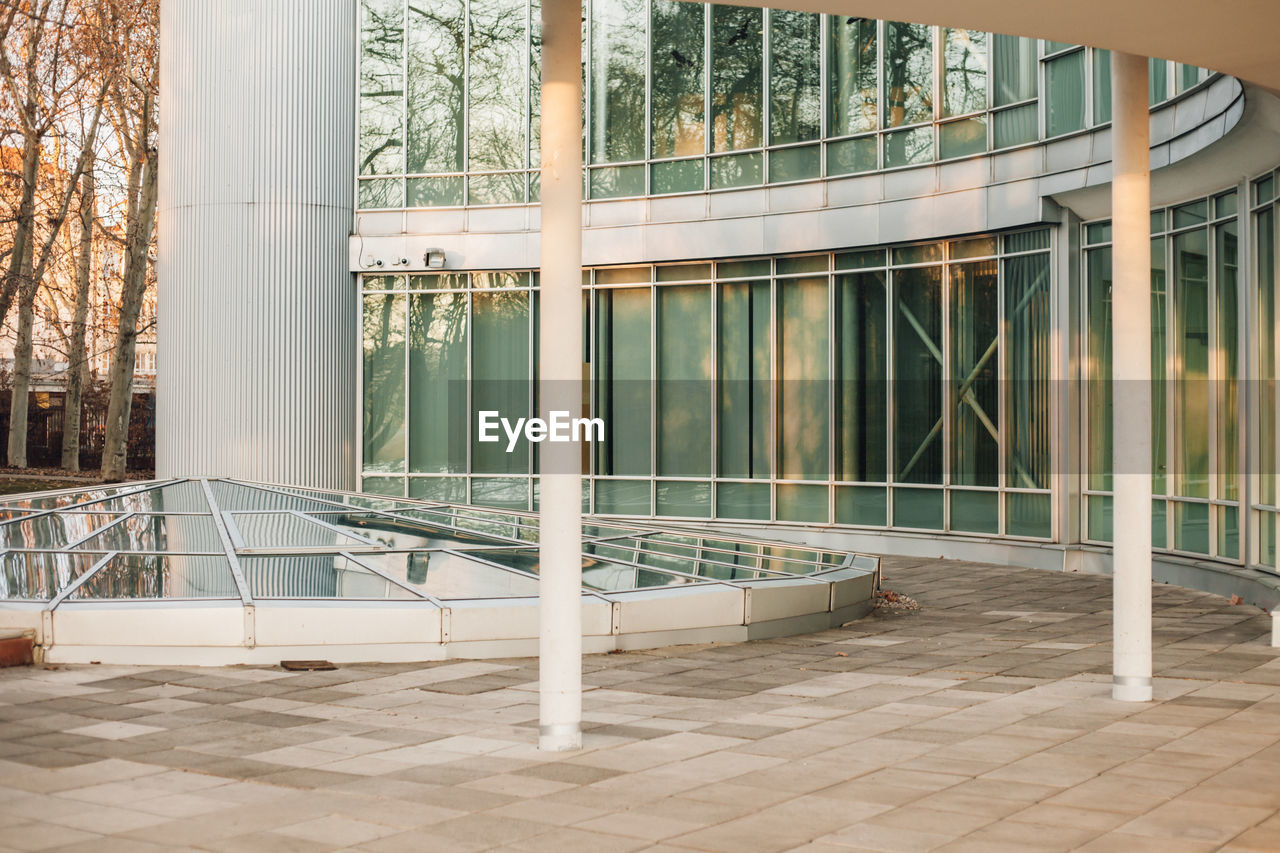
point(1131, 372)
point(560, 380)
point(258, 322)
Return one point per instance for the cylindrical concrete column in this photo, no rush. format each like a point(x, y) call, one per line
point(1131, 375)
point(560, 379)
point(257, 311)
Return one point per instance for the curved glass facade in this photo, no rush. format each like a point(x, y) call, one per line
point(685, 97)
point(903, 386)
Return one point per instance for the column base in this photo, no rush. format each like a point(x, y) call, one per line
point(1131, 688)
point(565, 737)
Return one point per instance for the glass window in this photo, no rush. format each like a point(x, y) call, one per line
point(1228, 362)
point(917, 370)
point(1158, 79)
point(676, 82)
point(1268, 320)
point(1016, 126)
point(795, 76)
point(438, 383)
point(803, 373)
point(684, 381)
point(618, 76)
point(853, 75)
point(861, 378)
point(1015, 67)
point(745, 441)
point(384, 333)
point(1064, 80)
point(1159, 373)
point(1191, 356)
point(975, 418)
point(1098, 367)
point(1028, 316)
point(623, 381)
point(908, 74)
point(436, 90)
point(1101, 86)
point(500, 375)
point(965, 75)
point(381, 88)
point(736, 79)
point(496, 93)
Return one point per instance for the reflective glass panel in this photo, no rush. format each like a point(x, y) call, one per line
point(384, 356)
point(619, 38)
point(736, 77)
point(318, 576)
point(908, 73)
point(795, 76)
point(1015, 68)
point(437, 383)
point(965, 78)
point(917, 385)
point(862, 381)
point(744, 387)
point(803, 374)
point(500, 353)
point(676, 82)
point(40, 576)
point(685, 392)
point(975, 417)
point(853, 80)
point(623, 380)
point(436, 94)
point(496, 86)
point(135, 576)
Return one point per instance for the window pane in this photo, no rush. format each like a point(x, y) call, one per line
point(381, 88)
point(438, 383)
point(1267, 321)
point(684, 381)
point(678, 109)
point(965, 80)
point(917, 368)
point(1064, 79)
point(1014, 63)
point(436, 126)
point(908, 73)
point(744, 398)
point(1191, 393)
point(795, 78)
point(1159, 376)
point(1028, 312)
point(795, 164)
point(908, 147)
point(1017, 126)
point(975, 512)
point(803, 503)
point(962, 138)
point(853, 75)
point(496, 83)
point(737, 170)
point(1101, 86)
point(975, 417)
point(736, 80)
point(1228, 363)
point(500, 375)
point(803, 374)
point(1158, 79)
point(861, 389)
point(742, 500)
point(618, 40)
point(677, 176)
point(852, 155)
point(1098, 365)
point(623, 381)
point(384, 330)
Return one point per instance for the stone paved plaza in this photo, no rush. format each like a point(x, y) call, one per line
point(981, 722)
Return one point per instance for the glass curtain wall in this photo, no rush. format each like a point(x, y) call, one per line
point(683, 97)
point(1196, 372)
point(905, 387)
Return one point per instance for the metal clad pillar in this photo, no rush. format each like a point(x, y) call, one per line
point(560, 377)
point(258, 328)
point(1131, 374)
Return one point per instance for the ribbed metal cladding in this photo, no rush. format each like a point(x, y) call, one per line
point(257, 328)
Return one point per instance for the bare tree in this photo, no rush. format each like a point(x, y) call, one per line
point(77, 354)
point(133, 112)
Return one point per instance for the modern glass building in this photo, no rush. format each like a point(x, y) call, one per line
point(846, 280)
